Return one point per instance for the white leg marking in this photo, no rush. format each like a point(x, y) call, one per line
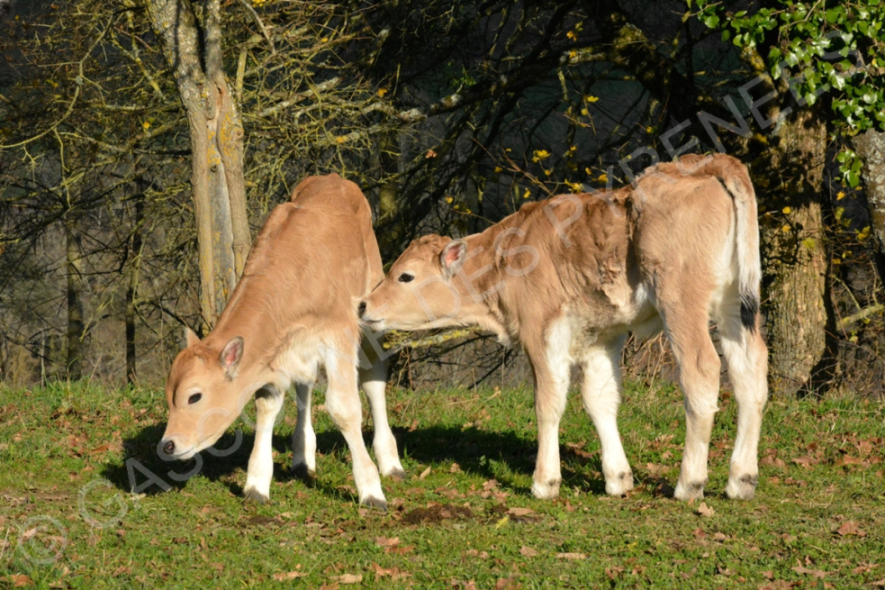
point(552, 369)
point(601, 394)
point(747, 360)
point(374, 381)
point(304, 439)
point(268, 403)
point(343, 405)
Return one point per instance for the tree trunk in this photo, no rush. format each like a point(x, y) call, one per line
point(795, 257)
point(74, 271)
point(132, 289)
point(871, 148)
point(217, 147)
point(226, 135)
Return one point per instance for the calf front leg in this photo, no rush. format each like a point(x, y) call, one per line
point(551, 370)
point(374, 381)
point(268, 402)
point(304, 439)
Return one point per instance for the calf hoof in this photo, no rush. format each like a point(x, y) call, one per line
point(692, 491)
point(253, 495)
point(304, 473)
point(620, 485)
point(396, 474)
point(373, 502)
point(548, 490)
point(742, 488)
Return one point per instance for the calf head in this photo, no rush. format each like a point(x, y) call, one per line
point(425, 288)
point(204, 396)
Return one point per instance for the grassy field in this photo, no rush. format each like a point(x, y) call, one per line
point(70, 458)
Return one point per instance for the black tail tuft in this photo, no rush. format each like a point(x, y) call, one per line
point(749, 309)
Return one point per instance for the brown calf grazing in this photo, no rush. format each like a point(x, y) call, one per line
point(293, 311)
point(567, 279)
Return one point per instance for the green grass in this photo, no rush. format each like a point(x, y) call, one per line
point(816, 522)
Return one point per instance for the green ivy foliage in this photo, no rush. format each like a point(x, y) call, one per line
point(834, 47)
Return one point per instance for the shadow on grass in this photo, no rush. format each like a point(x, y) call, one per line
point(491, 455)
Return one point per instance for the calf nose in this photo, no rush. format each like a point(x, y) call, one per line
point(169, 447)
point(361, 309)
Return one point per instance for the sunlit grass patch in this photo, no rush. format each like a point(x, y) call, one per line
point(464, 517)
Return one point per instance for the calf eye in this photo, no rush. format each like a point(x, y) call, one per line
point(406, 278)
point(194, 398)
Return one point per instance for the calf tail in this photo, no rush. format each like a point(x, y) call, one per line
point(747, 237)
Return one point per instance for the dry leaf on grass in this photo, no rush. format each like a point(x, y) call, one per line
point(851, 528)
point(520, 511)
point(394, 573)
point(350, 578)
point(527, 551)
point(799, 569)
point(18, 580)
point(705, 510)
point(385, 542)
point(424, 473)
point(282, 577)
point(571, 555)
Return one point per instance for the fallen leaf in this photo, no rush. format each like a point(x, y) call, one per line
point(394, 572)
point(851, 528)
point(350, 578)
point(613, 572)
point(527, 551)
point(455, 468)
point(217, 566)
point(400, 550)
point(571, 555)
point(507, 584)
point(385, 542)
point(288, 576)
point(799, 569)
point(424, 473)
point(805, 461)
point(19, 580)
point(769, 461)
point(520, 511)
point(705, 510)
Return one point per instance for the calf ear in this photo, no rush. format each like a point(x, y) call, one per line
point(231, 355)
point(452, 257)
point(191, 338)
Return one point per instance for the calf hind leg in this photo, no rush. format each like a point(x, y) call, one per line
point(689, 335)
point(746, 358)
point(304, 439)
point(601, 394)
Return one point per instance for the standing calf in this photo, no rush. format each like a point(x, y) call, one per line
point(567, 279)
point(293, 311)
